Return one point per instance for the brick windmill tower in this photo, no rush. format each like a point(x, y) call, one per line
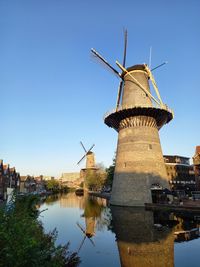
point(90, 163)
point(137, 118)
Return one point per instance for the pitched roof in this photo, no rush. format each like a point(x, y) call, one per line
point(5, 167)
point(12, 169)
point(23, 178)
point(197, 149)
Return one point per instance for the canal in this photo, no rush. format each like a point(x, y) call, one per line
point(119, 236)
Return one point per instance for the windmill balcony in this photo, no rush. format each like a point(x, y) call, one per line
point(162, 115)
point(165, 107)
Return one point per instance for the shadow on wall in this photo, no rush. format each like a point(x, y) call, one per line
point(140, 241)
point(134, 189)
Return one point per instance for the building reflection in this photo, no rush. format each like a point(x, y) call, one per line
point(70, 200)
point(187, 227)
point(140, 241)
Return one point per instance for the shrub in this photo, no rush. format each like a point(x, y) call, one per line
point(23, 241)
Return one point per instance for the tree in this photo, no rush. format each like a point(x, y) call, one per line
point(95, 179)
point(23, 241)
point(110, 173)
point(52, 185)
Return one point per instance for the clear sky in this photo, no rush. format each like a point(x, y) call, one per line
point(52, 94)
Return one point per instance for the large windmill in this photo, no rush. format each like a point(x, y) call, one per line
point(137, 117)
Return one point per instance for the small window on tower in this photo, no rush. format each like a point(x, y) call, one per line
point(124, 164)
point(150, 146)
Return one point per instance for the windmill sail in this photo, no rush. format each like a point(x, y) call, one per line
point(104, 62)
point(121, 85)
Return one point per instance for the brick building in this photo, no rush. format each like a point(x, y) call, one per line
point(71, 179)
point(9, 178)
point(180, 173)
point(196, 163)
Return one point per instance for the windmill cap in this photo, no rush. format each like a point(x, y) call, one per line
point(135, 67)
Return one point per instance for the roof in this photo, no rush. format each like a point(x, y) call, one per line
point(23, 178)
point(5, 167)
point(197, 150)
point(135, 67)
point(12, 169)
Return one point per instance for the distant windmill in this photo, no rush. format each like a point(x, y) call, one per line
point(89, 155)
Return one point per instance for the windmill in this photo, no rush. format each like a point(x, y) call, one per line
point(89, 155)
point(137, 117)
point(87, 235)
point(124, 71)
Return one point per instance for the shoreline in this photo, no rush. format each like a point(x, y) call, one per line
point(187, 206)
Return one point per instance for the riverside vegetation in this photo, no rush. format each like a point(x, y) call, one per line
point(23, 241)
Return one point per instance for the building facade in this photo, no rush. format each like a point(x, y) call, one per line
point(180, 173)
point(196, 163)
point(71, 179)
point(9, 178)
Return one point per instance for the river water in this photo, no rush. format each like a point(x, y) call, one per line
point(120, 236)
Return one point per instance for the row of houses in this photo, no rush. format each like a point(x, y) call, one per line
point(9, 178)
point(30, 184)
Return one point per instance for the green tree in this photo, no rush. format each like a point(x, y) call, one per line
point(52, 185)
point(110, 173)
point(23, 241)
point(95, 179)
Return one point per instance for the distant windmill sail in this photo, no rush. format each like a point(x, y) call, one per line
point(87, 152)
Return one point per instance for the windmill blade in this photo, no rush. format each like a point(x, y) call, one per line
point(81, 228)
point(91, 148)
point(125, 47)
point(83, 147)
point(81, 159)
point(119, 94)
point(81, 244)
point(104, 62)
point(150, 55)
point(159, 66)
point(91, 241)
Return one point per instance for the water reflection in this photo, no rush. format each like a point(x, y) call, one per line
point(92, 211)
point(187, 227)
point(140, 241)
point(143, 238)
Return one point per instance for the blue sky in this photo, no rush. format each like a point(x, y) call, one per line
point(53, 94)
